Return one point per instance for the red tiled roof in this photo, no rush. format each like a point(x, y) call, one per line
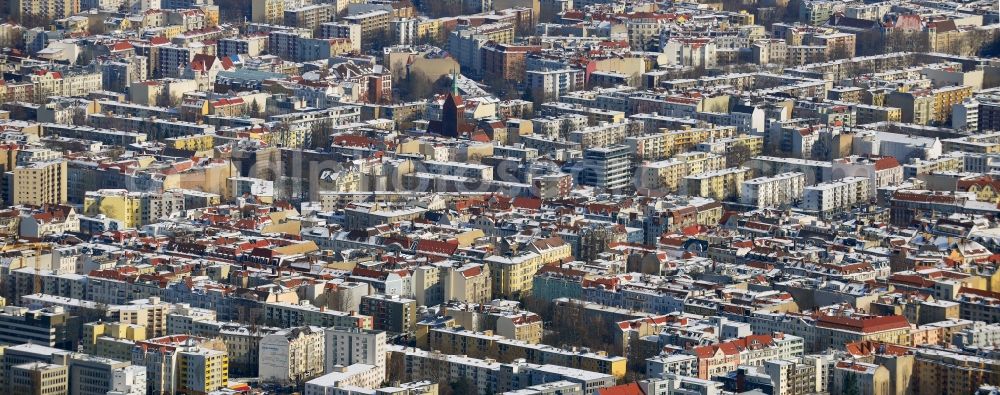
point(886, 162)
point(865, 348)
point(121, 46)
point(436, 246)
point(480, 137)
point(472, 271)
point(624, 389)
point(527, 203)
point(863, 325)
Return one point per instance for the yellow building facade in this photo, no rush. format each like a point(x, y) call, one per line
point(39, 183)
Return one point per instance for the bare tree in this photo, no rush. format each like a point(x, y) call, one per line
point(319, 135)
point(870, 42)
point(31, 21)
point(567, 324)
point(79, 116)
point(438, 39)
point(738, 155)
point(443, 8)
point(904, 41)
point(418, 86)
point(839, 51)
point(164, 98)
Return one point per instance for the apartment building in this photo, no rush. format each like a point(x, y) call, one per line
point(667, 175)
point(753, 350)
point(838, 45)
point(349, 31)
point(404, 31)
point(54, 83)
point(805, 54)
point(801, 375)
point(644, 29)
point(868, 113)
point(202, 370)
point(506, 61)
point(133, 209)
point(390, 313)
point(881, 171)
point(547, 85)
point(38, 378)
point(489, 376)
point(832, 331)
point(270, 12)
point(292, 355)
point(945, 98)
point(253, 45)
point(242, 343)
point(769, 51)
point(667, 143)
point(471, 283)
point(512, 274)
point(603, 135)
point(965, 115)
point(182, 364)
point(282, 314)
point(919, 167)
point(753, 145)
point(722, 184)
point(48, 327)
point(373, 24)
point(150, 313)
point(691, 52)
point(814, 170)
point(309, 17)
point(347, 346)
point(114, 341)
point(817, 12)
point(458, 169)
point(987, 143)
point(309, 49)
point(869, 378)
point(39, 183)
point(937, 371)
point(989, 112)
point(346, 378)
point(607, 168)
point(465, 44)
point(89, 375)
point(488, 345)
point(917, 106)
point(773, 191)
point(45, 10)
point(834, 197)
point(662, 366)
point(980, 334)
point(594, 115)
point(117, 76)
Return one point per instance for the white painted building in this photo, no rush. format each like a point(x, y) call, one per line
point(292, 354)
point(357, 375)
point(551, 84)
point(839, 195)
point(965, 115)
point(773, 191)
point(346, 346)
point(693, 52)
